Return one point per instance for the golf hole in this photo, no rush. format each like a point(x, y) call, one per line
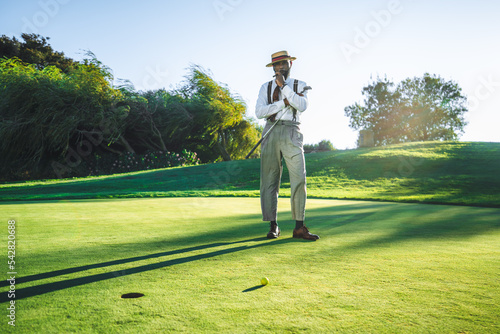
point(132, 295)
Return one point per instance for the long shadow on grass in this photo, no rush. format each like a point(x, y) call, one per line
point(73, 270)
point(56, 286)
point(428, 227)
point(403, 222)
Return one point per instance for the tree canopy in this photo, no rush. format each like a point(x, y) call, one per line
point(200, 115)
point(217, 118)
point(44, 111)
point(51, 113)
point(34, 49)
point(416, 109)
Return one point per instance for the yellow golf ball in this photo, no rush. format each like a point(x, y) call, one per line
point(264, 281)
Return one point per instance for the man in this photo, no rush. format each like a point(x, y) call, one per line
point(283, 100)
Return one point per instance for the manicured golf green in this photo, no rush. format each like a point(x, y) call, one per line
point(462, 173)
point(379, 267)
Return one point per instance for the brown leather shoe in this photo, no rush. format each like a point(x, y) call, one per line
point(303, 233)
point(274, 232)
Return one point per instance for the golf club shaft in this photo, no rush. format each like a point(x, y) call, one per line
point(254, 148)
point(270, 129)
point(263, 137)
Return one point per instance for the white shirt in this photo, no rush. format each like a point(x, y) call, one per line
point(300, 103)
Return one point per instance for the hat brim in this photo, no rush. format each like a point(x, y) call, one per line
point(277, 61)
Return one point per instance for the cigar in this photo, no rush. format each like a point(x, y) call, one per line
point(277, 74)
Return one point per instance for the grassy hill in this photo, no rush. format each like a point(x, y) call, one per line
point(464, 173)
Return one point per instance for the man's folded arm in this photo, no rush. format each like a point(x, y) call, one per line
point(264, 110)
point(298, 102)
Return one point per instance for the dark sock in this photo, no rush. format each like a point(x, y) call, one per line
point(274, 223)
point(299, 224)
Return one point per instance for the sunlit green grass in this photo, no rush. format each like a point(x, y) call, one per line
point(428, 172)
point(378, 267)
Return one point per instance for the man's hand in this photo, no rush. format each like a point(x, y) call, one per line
point(286, 102)
point(280, 79)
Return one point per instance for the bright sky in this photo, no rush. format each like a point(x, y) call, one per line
point(339, 46)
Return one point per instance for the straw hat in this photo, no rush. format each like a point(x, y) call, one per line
point(279, 56)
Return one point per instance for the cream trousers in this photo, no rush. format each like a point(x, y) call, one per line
point(284, 142)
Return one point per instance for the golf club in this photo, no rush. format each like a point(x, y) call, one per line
point(272, 127)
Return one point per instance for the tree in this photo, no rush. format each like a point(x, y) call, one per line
point(417, 109)
point(218, 128)
point(141, 130)
point(50, 112)
point(322, 146)
point(34, 49)
point(201, 116)
point(45, 112)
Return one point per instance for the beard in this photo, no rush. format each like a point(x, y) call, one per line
point(285, 73)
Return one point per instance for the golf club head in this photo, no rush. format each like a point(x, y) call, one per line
point(306, 88)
